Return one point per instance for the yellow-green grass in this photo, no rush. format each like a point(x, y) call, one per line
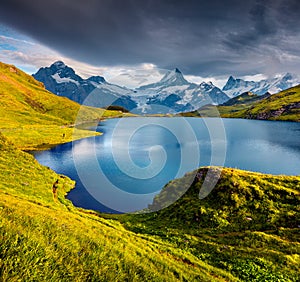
point(39, 137)
point(284, 100)
point(39, 243)
point(44, 238)
point(248, 225)
point(33, 117)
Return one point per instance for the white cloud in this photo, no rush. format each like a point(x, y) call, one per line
point(134, 77)
point(9, 38)
point(31, 59)
point(30, 55)
point(256, 77)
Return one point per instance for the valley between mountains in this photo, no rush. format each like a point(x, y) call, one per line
point(247, 229)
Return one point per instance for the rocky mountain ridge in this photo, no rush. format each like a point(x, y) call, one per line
point(172, 94)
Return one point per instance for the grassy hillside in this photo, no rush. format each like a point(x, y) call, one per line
point(44, 238)
point(282, 106)
point(31, 116)
point(248, 225)
point(245, 98)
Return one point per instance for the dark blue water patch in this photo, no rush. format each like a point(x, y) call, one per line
point(129, 155)
point(60, 159)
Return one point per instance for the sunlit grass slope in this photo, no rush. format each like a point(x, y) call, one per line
point(44, 238)
point(32, 117)
point(282, 106)
point(248, 225)
point(245, 230)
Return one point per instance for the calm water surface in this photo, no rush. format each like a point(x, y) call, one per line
point(138, 156)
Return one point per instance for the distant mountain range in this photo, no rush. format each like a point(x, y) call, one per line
point(63, 81)
point(172, 94)
point(235, 86)
point(284, 106)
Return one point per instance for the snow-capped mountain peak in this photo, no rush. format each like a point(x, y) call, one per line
point(175, 94)
point(174, 76)
point(206, 85)
point(62, 73)
point(97, 79)
point(235, 87)
point(171, 78)
point(230, 83)
point(172, 93)
point(63, 81)
point(58, 65)
point(287, 76)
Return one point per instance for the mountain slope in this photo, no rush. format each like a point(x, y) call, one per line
point(245, 98)
point(235, 87)
point(63, 81)
point(29, 113)
point(173, 94)
point(284, 105)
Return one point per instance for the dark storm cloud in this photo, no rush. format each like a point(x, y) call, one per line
point(201, 37)
point(260, 27)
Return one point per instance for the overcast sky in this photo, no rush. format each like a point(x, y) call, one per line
point(210, 39)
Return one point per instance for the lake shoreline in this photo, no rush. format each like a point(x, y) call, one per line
point(90, 133)
point(278, 127)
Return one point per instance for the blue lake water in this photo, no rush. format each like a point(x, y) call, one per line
point(125, 167)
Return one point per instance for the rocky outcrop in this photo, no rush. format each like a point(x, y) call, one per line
point(274, 113)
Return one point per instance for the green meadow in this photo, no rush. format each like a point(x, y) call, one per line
point(247, 229)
